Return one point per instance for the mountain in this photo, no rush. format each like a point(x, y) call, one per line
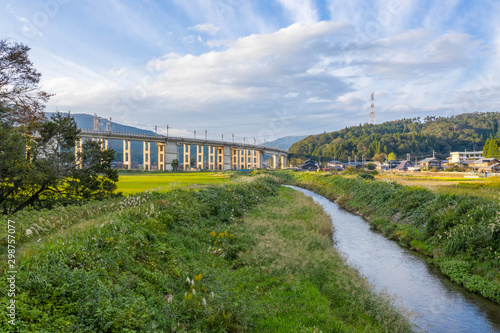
point(86, 121)
point(285, 142)
point(417, 137)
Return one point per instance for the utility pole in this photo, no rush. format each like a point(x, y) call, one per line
point(109, 125)
point(408, 157)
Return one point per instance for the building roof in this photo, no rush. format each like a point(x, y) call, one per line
point(404, 165)
point(467, 152)
point(429, 159)
point(493, 166)
point(309, 163)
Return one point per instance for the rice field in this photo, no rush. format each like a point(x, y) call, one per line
point(482, 187)
point(134, 183)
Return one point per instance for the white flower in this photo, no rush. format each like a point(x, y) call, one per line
point(28, 232)
point(188, 281)
point(193, 291)
point(204, 301)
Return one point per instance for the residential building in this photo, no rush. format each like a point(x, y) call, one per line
point(483, 165)
point(309, 165)
point(456, 157)
point(430, 162)
point(403, 166)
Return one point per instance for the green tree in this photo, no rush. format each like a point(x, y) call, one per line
point(379, 157)
point(37, 161)
point(392, 157)
point(175, 164)
point(371, 166)
point(48, 173)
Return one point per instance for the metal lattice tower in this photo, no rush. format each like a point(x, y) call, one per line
point(372, 110)
point(96, 122)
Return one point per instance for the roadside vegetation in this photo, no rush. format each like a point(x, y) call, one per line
point(460, 233)
point(244, 256)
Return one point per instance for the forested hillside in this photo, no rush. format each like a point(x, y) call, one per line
point(419, 137)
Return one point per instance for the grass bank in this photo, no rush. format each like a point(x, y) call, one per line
point(460, 233)
point(246, 256)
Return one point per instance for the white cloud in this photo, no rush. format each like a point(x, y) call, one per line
point(206, 28)
point(302, 11)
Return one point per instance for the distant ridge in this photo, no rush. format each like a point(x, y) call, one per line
point(418, 137)
point(285, 142)
point(86, 121)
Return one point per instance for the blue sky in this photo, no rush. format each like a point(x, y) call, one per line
point(262, 69)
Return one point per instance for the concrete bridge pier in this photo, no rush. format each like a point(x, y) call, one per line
point(275, 161)
point(78, 153)
point(199, 156)
point(146, 155)
point(227, 158)
point(282, 161)
point(126, 155)
point(212, 157)
point(220, 158)
point(171, 154)
point(235, 158)
point(161, 156)
point(103, 143)
point(187, 157)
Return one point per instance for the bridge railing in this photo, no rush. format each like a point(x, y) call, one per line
point(174, 138)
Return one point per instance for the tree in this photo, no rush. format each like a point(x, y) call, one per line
point(175, 164)
point(391, 157)
point(19, 84)
point(48, 173)
point(37, 159)
point(379, 157)
point(371, 166)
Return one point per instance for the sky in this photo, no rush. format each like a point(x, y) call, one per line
point(261, 69)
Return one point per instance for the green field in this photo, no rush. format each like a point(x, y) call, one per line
point(134, 183)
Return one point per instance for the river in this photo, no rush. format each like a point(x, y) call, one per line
point(436, 304)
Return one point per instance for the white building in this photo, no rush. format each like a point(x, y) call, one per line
point(456, 157)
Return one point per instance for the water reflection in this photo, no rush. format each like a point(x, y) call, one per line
point(437, 304)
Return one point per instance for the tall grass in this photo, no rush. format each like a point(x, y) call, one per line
point(184, 261)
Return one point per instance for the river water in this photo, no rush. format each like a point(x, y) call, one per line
point(436, 304)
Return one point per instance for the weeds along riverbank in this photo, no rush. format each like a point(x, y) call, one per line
point(245, 256)
point(460, 233)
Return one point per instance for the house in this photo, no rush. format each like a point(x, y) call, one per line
point(404, 165)
point(430, 162)
point(357, 165)
point(456, 157)
point(391, 164)
point(483, 164)
point(494, 168)
point(309, 165)
point(335, 164)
